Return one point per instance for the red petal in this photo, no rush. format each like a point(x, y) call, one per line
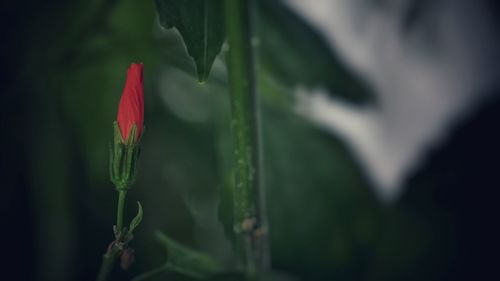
point(131, 108)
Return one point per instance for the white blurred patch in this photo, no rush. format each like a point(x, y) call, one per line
point(425, 80)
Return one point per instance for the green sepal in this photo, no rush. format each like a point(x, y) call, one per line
point(123, 158)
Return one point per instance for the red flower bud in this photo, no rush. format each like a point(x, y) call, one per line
point(131, 108)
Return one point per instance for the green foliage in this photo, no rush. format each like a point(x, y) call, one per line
point(188, 261)
point(289, 48)
point(297, 55)
point(201, 25)
point(324, 222)
point(323, 218)
point(263, 276)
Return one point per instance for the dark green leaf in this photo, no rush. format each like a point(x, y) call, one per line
point(297, 55)
point(201, 25)
point(188, 261)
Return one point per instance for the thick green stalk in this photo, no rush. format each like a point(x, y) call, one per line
point(250, 224)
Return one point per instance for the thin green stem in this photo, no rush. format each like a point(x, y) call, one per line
point(250, 222)
point(119, 211)
point(113, 252)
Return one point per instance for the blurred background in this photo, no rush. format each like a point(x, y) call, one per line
point(379, 127)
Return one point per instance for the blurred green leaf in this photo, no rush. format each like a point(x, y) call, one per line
point(201, 25)
point(187, 261)
point(329, 239)
point(263, 276)
point(323, 217)
point(297, 55)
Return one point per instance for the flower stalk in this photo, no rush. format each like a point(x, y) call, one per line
point(121, 206)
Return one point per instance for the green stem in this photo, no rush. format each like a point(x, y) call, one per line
point(108, 261)
point(119, 212)
point(111, 255)
point(250, 222)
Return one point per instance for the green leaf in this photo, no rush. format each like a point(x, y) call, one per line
point(261, 276)
point(137, 220)
point(296, 54)
point(201, 25)
point(187, 261)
